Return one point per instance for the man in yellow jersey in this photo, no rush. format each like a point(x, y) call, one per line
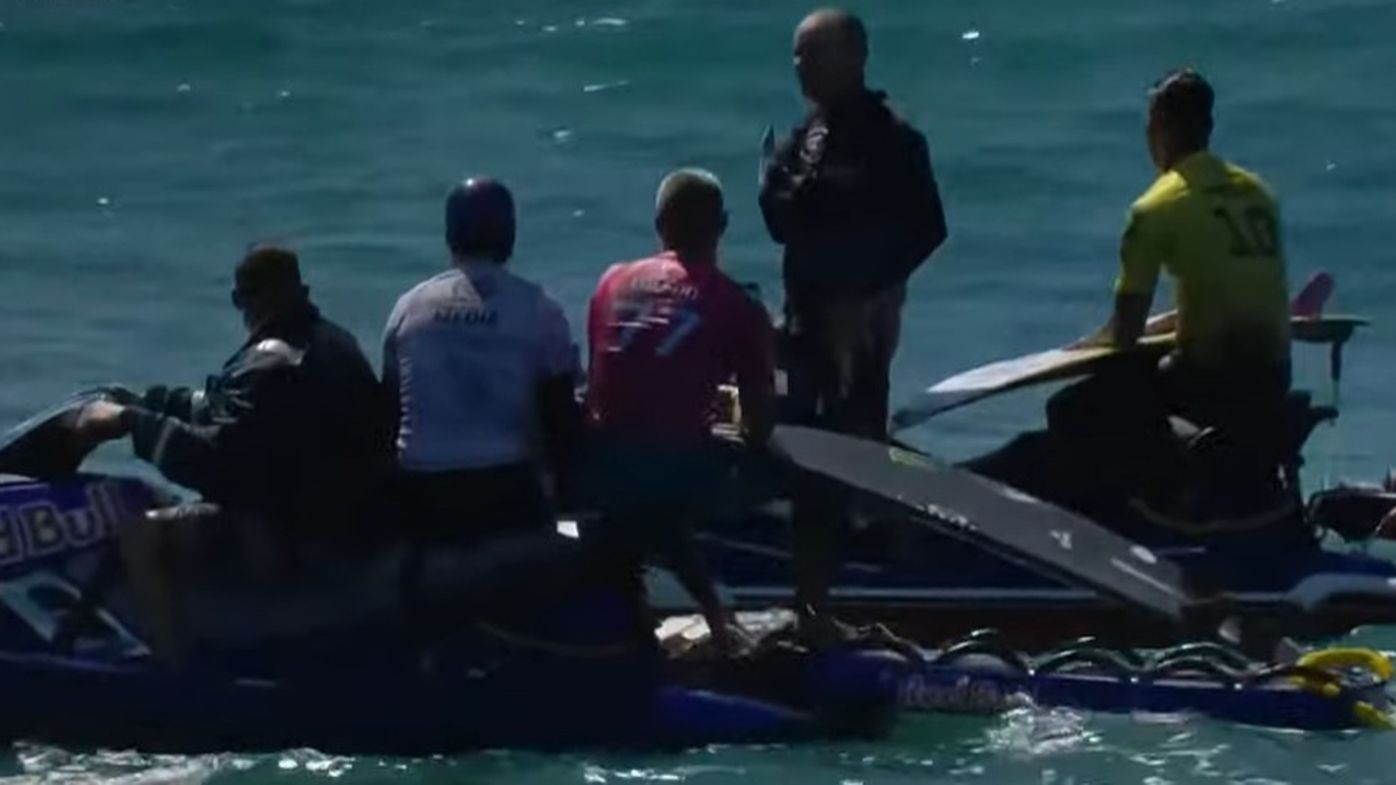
point(1215, 228)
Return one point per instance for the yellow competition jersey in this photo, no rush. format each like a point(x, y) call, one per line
point(1216, 228)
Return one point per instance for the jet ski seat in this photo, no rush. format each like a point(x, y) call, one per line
point(1239, 477)
point(531, 582)
point(1354, 512)
point(1253, 438)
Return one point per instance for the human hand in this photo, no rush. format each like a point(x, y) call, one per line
point(102, 421)
point(768, 153)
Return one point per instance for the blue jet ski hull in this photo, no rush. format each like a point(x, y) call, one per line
point(539, 703)
point(966, 689)
point(1328, 690)
point(371, 688)
point(74, 667)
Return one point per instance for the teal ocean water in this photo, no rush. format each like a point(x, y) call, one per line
point(145, 143)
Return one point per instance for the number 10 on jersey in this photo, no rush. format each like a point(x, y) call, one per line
point(1253, 230)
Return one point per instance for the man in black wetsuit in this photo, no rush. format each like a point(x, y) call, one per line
point(852, 197)
point(292, 438)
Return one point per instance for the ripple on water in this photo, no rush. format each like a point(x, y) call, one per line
point(604, 86)
point(54, 766)
point(314, 763)
point(598, 774)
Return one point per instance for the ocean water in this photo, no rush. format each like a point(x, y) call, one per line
point(145, 143)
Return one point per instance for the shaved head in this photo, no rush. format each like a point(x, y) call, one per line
point(831, 51)
point(841, 27)
point(689, 212)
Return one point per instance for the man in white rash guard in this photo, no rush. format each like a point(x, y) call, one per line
point(483, 367)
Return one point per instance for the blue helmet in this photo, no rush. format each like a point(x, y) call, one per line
point(480, 219)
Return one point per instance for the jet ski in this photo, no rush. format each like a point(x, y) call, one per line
point(332, 656)
point(333, 660)
point(1256, 549)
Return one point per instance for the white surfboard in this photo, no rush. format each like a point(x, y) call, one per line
point(1057, 364)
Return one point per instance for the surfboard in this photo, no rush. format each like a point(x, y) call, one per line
point(989, 515)
point(1058, 364)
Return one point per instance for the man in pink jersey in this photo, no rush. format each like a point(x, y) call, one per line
point(664, 333)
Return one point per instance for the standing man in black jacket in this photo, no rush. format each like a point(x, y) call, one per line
point(292, 439)
point(852, 197)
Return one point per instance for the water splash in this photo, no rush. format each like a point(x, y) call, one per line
point(1031, 732)
point(54, 766)
point(316, 763)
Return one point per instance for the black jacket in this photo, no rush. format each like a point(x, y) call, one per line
point(852, 197)
point(295, 425)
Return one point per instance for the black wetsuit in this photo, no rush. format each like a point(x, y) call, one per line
point(295, 429)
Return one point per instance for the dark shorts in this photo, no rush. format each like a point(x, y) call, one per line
point(625, 475)
point(472, 505)
point(649, 495)
point(1138, 394)
point(838, 357)
point(1237, 397)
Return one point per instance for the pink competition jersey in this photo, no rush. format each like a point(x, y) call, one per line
point(663, 336)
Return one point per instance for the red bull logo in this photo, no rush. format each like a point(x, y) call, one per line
point(41, 527)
